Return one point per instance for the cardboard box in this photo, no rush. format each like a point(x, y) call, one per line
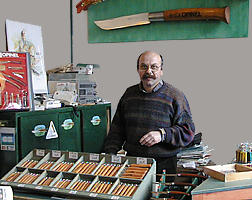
point(229, 172)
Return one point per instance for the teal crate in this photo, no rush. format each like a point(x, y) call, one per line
point(78, 129)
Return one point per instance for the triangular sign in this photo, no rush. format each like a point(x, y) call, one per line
point(52, 133)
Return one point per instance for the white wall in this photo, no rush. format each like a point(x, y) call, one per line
point(215, 74)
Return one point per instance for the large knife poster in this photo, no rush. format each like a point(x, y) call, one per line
point(15, 81)
point(23, 37)
point(167, 29)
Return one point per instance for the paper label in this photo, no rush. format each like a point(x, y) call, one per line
point(93, 195)
point(72, 192)
point(54, 189)
point(7, 147)
point(116, 159)
point(21, 185)
point(141, 160)
point(94, 157)
point(40, 152)
point(56, 154)
point(189, 165)
point(69, 96)
point(115, 197)
point(73, 155)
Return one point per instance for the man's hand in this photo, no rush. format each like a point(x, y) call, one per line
point(151, 138)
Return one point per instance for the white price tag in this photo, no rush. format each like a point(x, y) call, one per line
point(73, 155)
point(116, 159)
point(40, 152)
point(56, 154)
point(21, 185)
point(93, 194)
point(39, 187)
point(115, 197)
point(141, 160)
point(156, 187)
point(4, 183)
point(72, 192)
point(54, 189)
point(94, 157)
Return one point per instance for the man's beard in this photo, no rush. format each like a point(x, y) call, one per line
point(150, 83)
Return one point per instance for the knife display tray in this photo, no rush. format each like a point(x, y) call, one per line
point(67, 183)
point(229, 172)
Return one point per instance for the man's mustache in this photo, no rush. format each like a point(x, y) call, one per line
point(145, 76)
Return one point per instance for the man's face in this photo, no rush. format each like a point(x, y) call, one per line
point(23, 35)
point(149, 70)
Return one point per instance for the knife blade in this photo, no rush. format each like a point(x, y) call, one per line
point(10, 82)
point(7, 75)
point(184, 14)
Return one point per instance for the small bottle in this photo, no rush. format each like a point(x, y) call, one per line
point(12, 98)
point(6, 101)
point(18, 101)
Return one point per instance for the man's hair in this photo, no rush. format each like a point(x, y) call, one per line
point(23, 32)
point(162, 61)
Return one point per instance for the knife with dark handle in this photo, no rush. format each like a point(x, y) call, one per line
point(14, 79)
point(16, 85)
point(10, 61)
point(162, 198)
point(172, 192)
point(177, 183)
point(184, 175)
point(184, 14)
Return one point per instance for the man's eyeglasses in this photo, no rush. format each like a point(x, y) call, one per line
point(153, 68)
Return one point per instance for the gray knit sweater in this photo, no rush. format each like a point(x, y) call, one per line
point(138, 113)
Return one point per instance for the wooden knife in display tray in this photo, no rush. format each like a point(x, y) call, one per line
point(15, 81)
point(229, 172)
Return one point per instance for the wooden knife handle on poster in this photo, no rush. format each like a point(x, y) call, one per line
point(184, 14)
point(84, 4)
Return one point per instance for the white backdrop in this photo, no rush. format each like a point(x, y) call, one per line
point(214, 74)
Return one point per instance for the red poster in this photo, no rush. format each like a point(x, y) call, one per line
point(15, 81)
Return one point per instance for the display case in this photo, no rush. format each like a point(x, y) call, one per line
point(105, 181)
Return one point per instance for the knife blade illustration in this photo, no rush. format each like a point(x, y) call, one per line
point(14, 79)
point(16, 85)
point(183, 14)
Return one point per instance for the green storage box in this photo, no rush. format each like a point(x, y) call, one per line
point(78, 129)
point(96, 123)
